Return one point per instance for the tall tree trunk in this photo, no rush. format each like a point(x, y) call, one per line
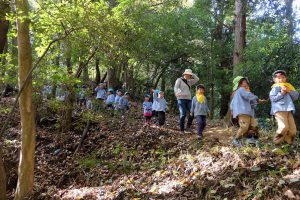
point(70, 99)
point(85, 75)
point(163, 83)
point(239, 34)
point(26, 165)
point(2, 178)
point(4, 25)
point(98, 74)
point(112, 77)
point(289, 17)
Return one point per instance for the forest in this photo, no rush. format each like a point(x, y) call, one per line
point(94, 96)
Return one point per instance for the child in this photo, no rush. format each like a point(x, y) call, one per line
point(101, 94)
point(242, 106)
point(117, 98)
point(147, 106)
point(123, 103)
point(82, 96)
point(282, 96)
point(110, 99)
point(200, 109)
point(89, 102)
point(159, 106)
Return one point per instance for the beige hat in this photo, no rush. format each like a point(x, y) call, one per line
point(188, 71)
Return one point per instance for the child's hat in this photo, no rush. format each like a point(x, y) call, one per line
point(236, 81)
point(279, 72)
point(157, 91)
point(147, 95)
point(111, 90)
point(100, 83)
point(126, 94)
point(188, 72)
point(200, 86)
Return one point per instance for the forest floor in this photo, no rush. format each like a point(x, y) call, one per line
point(122, 159)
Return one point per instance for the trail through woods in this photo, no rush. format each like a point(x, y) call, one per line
point(122, 159)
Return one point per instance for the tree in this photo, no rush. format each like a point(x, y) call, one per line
point(26, 164)
point(239, 34)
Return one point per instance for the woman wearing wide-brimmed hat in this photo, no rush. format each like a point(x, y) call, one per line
point(182, 90)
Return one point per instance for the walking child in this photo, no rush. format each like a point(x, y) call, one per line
point(101, 95)
point(147, 106)
point(117, 98)
point(200, 109)
point(159, 107)
point(282, 96)
point(123, 103)
point(242, 107)
point(110, 100)
point(82, 96)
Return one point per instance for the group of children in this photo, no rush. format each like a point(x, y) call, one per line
point(104, 99)
point(244, 102)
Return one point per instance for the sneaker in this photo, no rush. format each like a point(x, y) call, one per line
point(236, 142)
point(188, 130)
point(200, 137)
point(251, 140)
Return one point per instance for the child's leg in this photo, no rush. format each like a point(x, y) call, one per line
point(161, 118)
point(283, 126)
point(291, 134)
point(201, 123)
point(253, 129)
point(244, 122)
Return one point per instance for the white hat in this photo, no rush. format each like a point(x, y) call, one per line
point(188, 71)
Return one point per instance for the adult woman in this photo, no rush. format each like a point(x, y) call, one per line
point(182, 90)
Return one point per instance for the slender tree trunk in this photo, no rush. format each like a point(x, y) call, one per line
point(163, 83)
point(289, 17)
point(26, 165)
point(2, 178)
point(85, 75)
point(4, 25)
point(70, 100)
point(98, 75)
point(239, 34)
point(112, 77)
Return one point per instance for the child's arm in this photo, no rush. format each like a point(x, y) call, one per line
point(155, 95)
point(275, 94)
point(248, 95)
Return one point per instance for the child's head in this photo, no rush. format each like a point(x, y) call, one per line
point(119, 92)
point(279, 76)
point(147, 98)
point(240, 81)
point(244, 83)
point(200, 89)
point(126, 95)
point(161, 94)
point(101, 85)
point(110, 91)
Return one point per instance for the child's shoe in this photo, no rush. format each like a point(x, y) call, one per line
point(236, 142)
